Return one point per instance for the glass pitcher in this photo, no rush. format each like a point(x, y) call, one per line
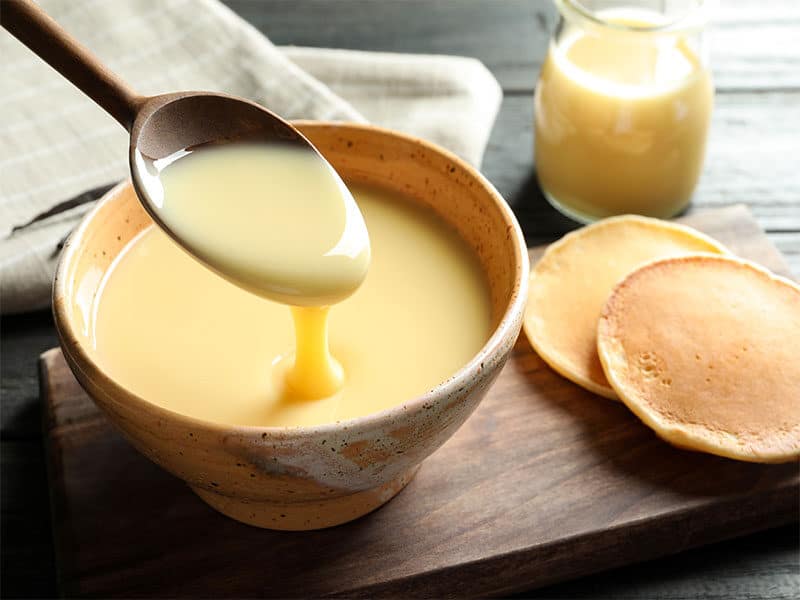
point(622, 107)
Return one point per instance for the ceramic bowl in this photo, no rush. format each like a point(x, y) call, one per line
point(309, 477)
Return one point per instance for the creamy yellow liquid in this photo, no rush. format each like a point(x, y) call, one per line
point(276, 220)
point(174, 333)
point(621, 121)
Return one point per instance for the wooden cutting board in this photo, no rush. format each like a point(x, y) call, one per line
point(544, 482)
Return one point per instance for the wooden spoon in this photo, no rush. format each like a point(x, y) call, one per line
point(158, 125)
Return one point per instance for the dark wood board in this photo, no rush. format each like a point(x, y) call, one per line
point(543, 483)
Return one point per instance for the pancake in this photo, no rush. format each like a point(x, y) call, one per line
point(571, 283)
point(706, 351)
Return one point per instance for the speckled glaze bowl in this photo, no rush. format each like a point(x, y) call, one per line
point(309, 477)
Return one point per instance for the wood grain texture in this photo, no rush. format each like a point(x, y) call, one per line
point(462, 27)
point(26, 561)
point(544, 482)
point(703, 573)
point(24, 337)
point(752, 43)
point(741, 167)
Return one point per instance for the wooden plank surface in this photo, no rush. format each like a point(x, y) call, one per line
point(752, 43)
point(544, 482)
point(740, 168)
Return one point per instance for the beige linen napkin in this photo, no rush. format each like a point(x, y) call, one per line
point(58, 149)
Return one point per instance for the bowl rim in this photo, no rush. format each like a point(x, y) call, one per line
point(79, 359)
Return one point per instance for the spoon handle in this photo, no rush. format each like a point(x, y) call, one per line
point(34, 28)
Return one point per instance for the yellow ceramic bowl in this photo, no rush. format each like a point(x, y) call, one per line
point(284, 478)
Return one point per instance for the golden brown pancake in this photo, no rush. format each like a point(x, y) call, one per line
point(706, 351)
point(571, 283)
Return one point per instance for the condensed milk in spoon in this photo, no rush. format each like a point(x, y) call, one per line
point(276, 220)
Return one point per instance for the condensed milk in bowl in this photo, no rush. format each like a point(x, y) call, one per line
point(312, 415)
point(622, 107)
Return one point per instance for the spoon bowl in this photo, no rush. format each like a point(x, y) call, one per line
point(161, 126)
point(169, 123)
point(260, 206)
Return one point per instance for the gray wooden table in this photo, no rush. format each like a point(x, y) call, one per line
point(752, 158)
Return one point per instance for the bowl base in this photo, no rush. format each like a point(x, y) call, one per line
point(304, 516)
